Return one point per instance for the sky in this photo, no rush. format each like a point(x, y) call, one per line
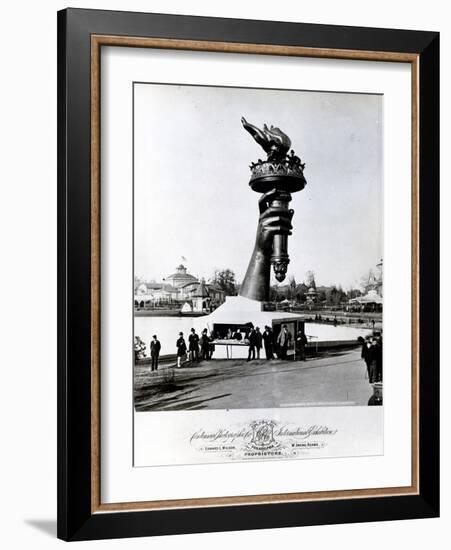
point(191, 176)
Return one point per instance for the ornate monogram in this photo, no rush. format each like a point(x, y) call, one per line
point(263, 435)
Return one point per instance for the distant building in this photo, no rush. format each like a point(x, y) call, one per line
point(152, 294)
point(179, 288)
point(181, 277)
point(372, 300)
point(201, 298)
point(375, 280)
point(311, 295)
point(379, 286)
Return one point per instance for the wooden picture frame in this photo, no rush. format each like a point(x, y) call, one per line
point(81, 35)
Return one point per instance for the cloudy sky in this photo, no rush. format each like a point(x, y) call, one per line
point(191, 174)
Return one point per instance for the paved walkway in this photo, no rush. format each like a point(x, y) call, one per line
point(329, 380)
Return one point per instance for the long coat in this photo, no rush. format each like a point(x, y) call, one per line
point(155, 347)
point(181, 346)
point(205, 342)
point(193, 342)
point(259, 339)
point(268, 338)
point(253, 339)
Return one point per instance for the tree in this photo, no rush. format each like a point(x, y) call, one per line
point(341, 295)
point(278, 293)
point(137, 281)
point(301, 291)
point(310, 279)
point(273, 294)
point(353, 293)
point(335, 295)
point(322, 296)
point(368, 281)
point(225, 280)
point(292, 288)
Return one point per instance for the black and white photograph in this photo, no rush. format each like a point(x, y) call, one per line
point(224, 274)
point(258, 260)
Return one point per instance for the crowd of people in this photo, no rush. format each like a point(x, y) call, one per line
point(201, 348)
point(198, 348)
point(274, 346)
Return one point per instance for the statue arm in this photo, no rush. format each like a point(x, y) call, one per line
point(256, 281)
point(272, 221)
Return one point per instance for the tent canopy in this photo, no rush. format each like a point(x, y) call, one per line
point(371, 298)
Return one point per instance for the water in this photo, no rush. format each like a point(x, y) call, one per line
point(167, 329)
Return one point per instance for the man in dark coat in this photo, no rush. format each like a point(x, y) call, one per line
point(155, 347)
point(193, 345)
point(238, 336)
point(268, 342)
point(258, 341)
point(205, 345)
point(252, 344)
point(301, 342)
point(378, 358)
point(366, 355)
point(181, 349)
point(374, 358)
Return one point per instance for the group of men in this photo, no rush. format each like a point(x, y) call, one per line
point(194, 342)
point(372, 355)
point(257, 340)
point(280, 345)
point(201, 348)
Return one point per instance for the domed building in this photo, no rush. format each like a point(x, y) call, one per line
point(181, 287)
point(188, 287)
point(181, 277)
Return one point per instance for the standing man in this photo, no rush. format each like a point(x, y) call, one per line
point(302, 343)
point(268, 341)
point(378, 357)
point(252, 344)
point(181, 349)
point(284, 340)
point(193, 346)
point(211, 348)
point(374, 357)
point(155, 347)
point(258, 341)
point(366, 355)
point(205, 345)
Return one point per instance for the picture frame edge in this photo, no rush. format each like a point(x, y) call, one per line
point(76, 520)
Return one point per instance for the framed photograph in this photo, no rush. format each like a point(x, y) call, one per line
point(248, 274)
